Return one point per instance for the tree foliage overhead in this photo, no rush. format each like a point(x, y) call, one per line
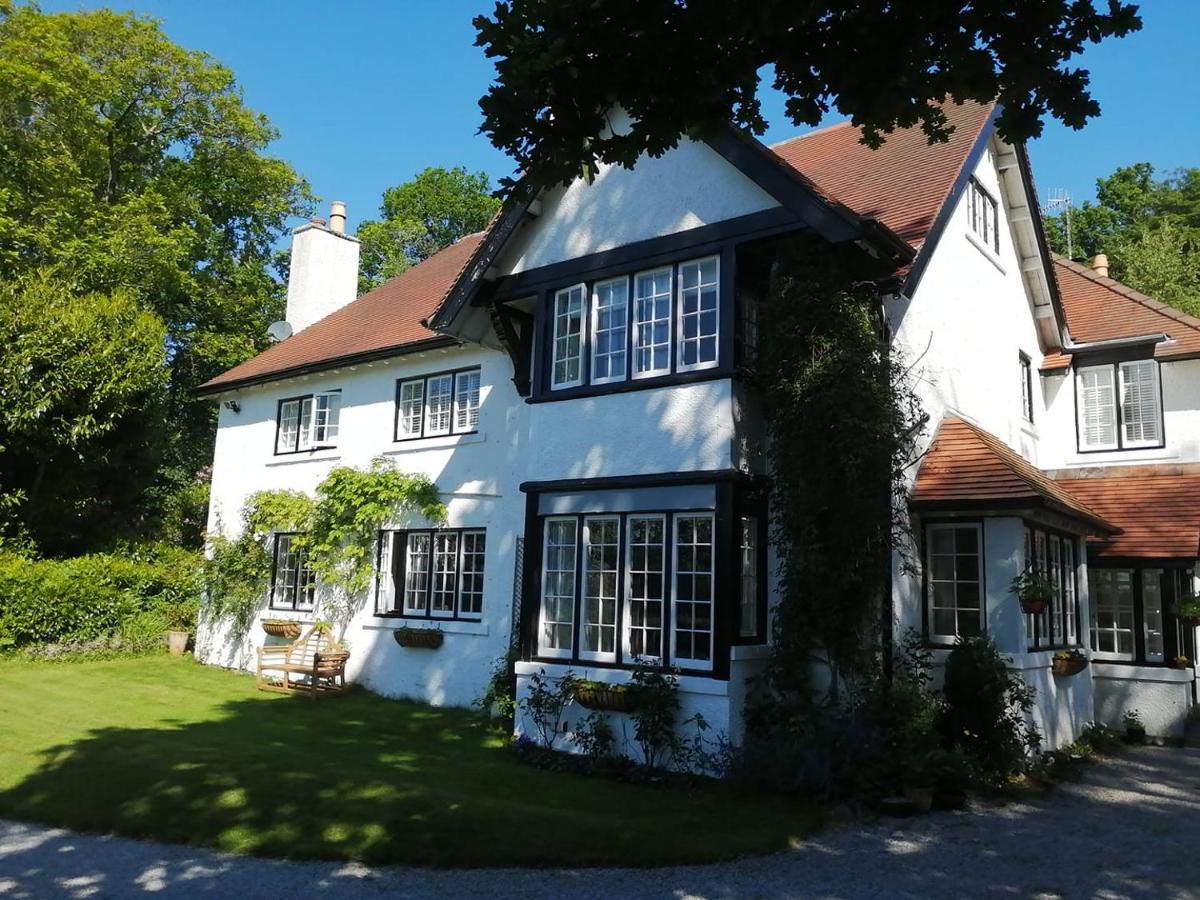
point(1149, 228)
point(420, 217)
point(130, 164)
point(692, 67)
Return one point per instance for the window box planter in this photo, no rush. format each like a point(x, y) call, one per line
point(1064, 665)
point(596, 695)
point(419, 638)
point(282, 628)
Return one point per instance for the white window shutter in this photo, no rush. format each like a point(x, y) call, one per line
point(1140, 412)
point(1097, 413)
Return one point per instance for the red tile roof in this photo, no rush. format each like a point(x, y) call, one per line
point(904, 183)
point(969, 468)
point(1101, 309)
point(1156, 507)
point(384, 319)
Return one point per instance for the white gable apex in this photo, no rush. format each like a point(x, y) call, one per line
point(685, 188)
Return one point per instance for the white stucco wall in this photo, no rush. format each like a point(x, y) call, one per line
point(1161, 697)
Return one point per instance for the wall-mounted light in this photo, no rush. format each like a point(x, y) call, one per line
point(233, 406)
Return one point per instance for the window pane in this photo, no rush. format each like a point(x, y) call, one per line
point(412, 408)
point(1071, 627)
point(748, 613)
point(1056, 618)
point(326, 415)
point(1153, 613)
point(601, 549)
point(470, 584)
point(693, 588)
point(1026, 388)
point(558, 585)
point(416, 573)
point(1140, 413)
point(610, 312)
point(445, 570)
point(289, 426)
point(466, 401)
point(285, 572)
point(439, 400)
point(955, 591)
point(698, 301)
point(1096, 396)
point(566, 369)
point(306, 417)
point(1112, 611)
point(652, 322)
point(646, 578)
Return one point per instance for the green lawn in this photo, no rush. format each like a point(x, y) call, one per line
point(164, 748)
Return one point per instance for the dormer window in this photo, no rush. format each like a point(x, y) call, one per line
point(1119, 406)
point(310, 422)
point(983, 215)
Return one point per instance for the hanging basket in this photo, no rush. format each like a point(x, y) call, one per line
point(282, 628)
point(419, 638)
point(1064, 668)
point(1033, 606)
point(607, 698)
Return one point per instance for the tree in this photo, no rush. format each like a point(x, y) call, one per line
point(81, 377)
point(1148, 227)
point(422, 216)
point(691, 68)
point(131, 164)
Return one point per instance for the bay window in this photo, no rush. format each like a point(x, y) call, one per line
point(1119, 406)
point(1052, 554)
point(310, 422)
point(431, 573)
point(440, 403)
point(955, 580)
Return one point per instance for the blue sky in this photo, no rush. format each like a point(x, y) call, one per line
point(368, 94)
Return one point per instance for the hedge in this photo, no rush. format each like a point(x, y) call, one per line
point(47, 601)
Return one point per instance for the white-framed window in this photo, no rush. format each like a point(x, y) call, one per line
point(698, 314)
point(559, 568)
point(955, 580)
point(431, 573)
point(610, 329)
point(1119, 406)
point(1042, 619)
point(652, 323)
point(1152, 614)
point(692, 591)
point(1112, 613)
point(601, 569)
point(645, 586)
point(293, 583)
point(1071, 626)
point(983, 215)
point(1026, 388)
point(748, 601)
point(567, 358)
point(440, 403)
point(310, 422)
point(1056, 578)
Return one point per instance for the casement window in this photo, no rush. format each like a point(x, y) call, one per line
point(955, 580)
point(692, 590)
point(1152, 614)
point(567, 361)
point(698, 314)
point(293, 583)
point(645, 590)
point(441, 403)
point(1070, 599)
point(1112, 612)
point(610, 329)
point(1026, 388)
point(748, 606)
point(310, 422)
point(983, 215)
point(1056, 578)
point(432, 574)
point(601, 552)
point(652, 323)
point(1130, 613)
point(558, 587)
point(1119, 406)
point(1053, 555)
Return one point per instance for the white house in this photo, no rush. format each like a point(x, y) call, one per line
point(570, 379)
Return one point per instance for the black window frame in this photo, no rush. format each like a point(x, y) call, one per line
point(940, 640)
point(398, 438)
point(399, 557)
point(1034, 640)
point(302, 566)
point(1026, 386)
point(1115, 365)
point(1176, 640)
point(300, 398)
point(976, 190)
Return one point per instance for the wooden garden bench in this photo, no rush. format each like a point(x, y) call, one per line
point(315, 660)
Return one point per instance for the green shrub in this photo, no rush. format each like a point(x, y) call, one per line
point(44, 601)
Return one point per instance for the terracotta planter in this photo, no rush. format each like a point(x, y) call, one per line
point(177, 642)
point(607, 699)
point(1034, 607)
point(282, 628)
point(1064, 668)
point(419, 638)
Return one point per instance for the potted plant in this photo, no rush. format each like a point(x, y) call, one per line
point(1068, 662)
point(282, 628)
point(1034, 590)
point(1180, 662)
point(1135, 731)
point(607, 697)
point(181, 621)
point(419, 638)
point(1187, 609)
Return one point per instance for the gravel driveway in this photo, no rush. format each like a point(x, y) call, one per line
point(1131, 828)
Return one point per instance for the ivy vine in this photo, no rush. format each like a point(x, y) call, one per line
point(337, 528)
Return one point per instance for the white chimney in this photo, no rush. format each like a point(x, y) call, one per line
point(324, 270)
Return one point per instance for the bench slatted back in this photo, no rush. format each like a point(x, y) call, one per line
point(303, 652)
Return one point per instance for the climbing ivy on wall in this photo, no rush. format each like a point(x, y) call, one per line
point(337, 528)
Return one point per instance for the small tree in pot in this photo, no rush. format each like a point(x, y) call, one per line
point(1187, 609)
point(1034, 590)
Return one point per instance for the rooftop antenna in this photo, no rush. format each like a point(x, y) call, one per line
point(1060, 199)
